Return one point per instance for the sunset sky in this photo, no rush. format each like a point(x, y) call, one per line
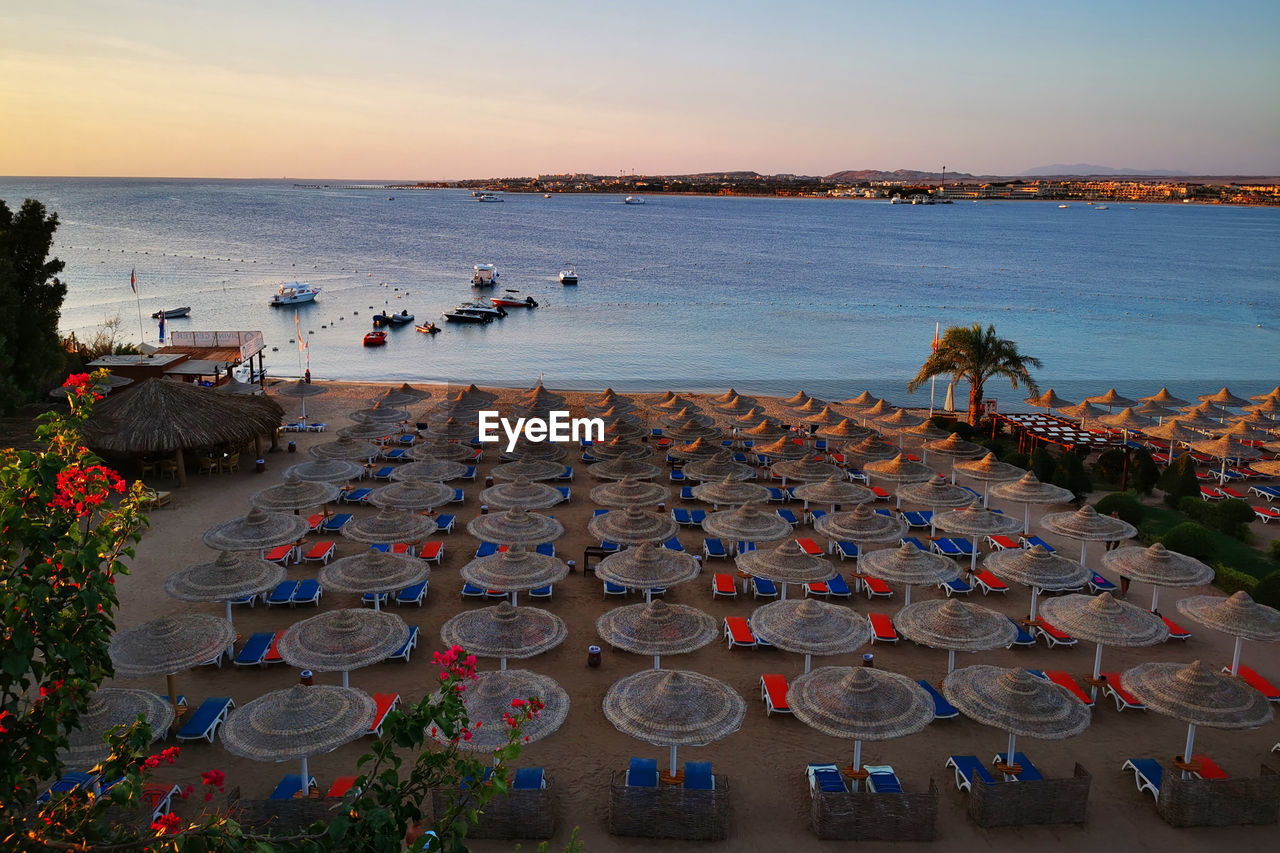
point(449, 90)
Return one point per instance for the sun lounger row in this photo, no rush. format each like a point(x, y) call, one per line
point(696, 775)
point(1148, 773)
point(828, 779)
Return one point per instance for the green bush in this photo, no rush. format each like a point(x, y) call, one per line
point(959, 427)
point(1179, 480)
point(1020, 460)
point(1233, 517)
point(1197, 510)
point(1129, 507)
point(1231, 580)
point(1110, 466)
point(1143, 472)
point(1191, 539)
point(1268, 590)
point(1275, 551)
point(1043, 464)
point(1070, 474)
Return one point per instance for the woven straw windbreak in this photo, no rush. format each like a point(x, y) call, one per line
point(860, 703)
point(505, 631)
point(1105, 620)
point(657, 628)
point(298, 721)
point(343, 640)
point(389, 525)
point(234, 574)
point(514, 570)
point(674, 707)
point(1015, 701)
point(372, 571)
point(255, 531)
point(811, 627)
point(955, 625)
point(169, 644)
point(1195, 693)
point(1238, 615)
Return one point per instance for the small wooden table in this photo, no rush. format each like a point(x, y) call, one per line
point(858, 775)
point(1192, 766)
point(670, 781)
point(1009, 769)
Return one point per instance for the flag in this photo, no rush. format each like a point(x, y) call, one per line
point(161, 327)
point(297, 327)
point(133, 280)
point(936, 326)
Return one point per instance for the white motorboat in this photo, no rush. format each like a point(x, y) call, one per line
point(480, 308)
point(488, 197)
point(569, 275)
point(633, 199)
point(295, 293)
point(484, 275)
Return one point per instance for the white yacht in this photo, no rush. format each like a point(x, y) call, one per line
point(295, 293)
point(488, 197)
point(633, 199)
point(569, 275)
point(484, 275)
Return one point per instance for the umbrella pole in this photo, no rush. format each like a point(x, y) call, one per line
point(857, 761)
point(345, 683)
point(231, 649)
point(514, 593)
point(1026, 519)
point(1186, 750)
point(1097, 671)
point(906, 596)
point(673, 760)
point(1034, 596)
point(1155, 598)
point(1084, 544)
point(502, 663)
point(304, 774)
point(973, 557)
point(808, 660)
point(1008, 756)
point(784, 591)
point(172, 684)
point(951, 661)
point(1235, 656)
point(986, 487)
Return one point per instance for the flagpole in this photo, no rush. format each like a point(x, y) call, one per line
point(933, 382)
point(297, 327)
point(142, 333)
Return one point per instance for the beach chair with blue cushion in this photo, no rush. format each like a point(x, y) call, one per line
point(1028, 773)
point(406, 649)
point(566, 474)
point(743, 547)
point(788, 516)
point(839, 588)
point(686, 493)
point(847, 550)
point(918, 519)
point(677, 476)
point(881, 779)
point(764, 588)
point(947, 547)
point(445, 522)
point(412, 594)
point(394, 455)
point(567, 491)
point(942, 709)
point(714, 549)
point(203, 724)
point(255, 649)
point(913, 541)
point(383, 473)
point(529, 779)
point(681, 516)
point(546, 549)
point(470, 473)
point(1022, 638)
point(470, 590)
point(642, 773)
point(72, 780)
point(542, 592)
point(335, 523)
point(1099, 583)
point(355, 496)
point(308, 592)
point(955, 586)
point(291, 785)
point(673, 544)
point(825, 778)
point(486, 549)
point(968, 768)
point(611, 588)
point(815, 514)
point(1033, 541)
point(1147, 773)
point(698, 776)
point(458, 496)
point(282, 595)
point(777, 495)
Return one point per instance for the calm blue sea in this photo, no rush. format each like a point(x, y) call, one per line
point(768, 295)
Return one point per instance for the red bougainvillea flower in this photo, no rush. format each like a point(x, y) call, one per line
point(83, 488)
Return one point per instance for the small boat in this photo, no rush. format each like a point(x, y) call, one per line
point(457, 316)
point(514, 300)
point(481, 309)
point(1101, 207)
point(385, 319)
point(375, 338)
point(569, 275)
point(633, 199)
point(546, 195)
point(1063, 206)
point(173, 313)
point(489, 197)
point(484, 275)
point(428, 329)
point(295, 293)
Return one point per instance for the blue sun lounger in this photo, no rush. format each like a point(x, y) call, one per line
point(529, 779)
point(764, 588)
point(405, 651)
point(911, 540)
point(1022, 638)
point(308, 592)
point(942, 709)
point(881, 779)
point(412, 594)
point(686, 493)
point(383, 473)
point(1147, 773)
point(445, 522)
point(788, 516)
point(335, 523)
point(847, 550)
point(282, 594)
point(254, 651)
point(681, 516)
point(968, 768)
point(714, 549)
point(825, 778)
point(838, 587)
point(1098, 583)
point(470, 590)
point(458, 496)
point(698, 776)
point(1029, 772)
point(486, 549)
point(292, 784)
point(673, 544)
point(918, 519)
point(546, 549)
point(355, 496)
point(1032, 541)
point(203, 724)
point(643, 773)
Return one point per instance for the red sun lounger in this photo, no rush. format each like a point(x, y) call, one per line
point(773, 690)
point(882, 628)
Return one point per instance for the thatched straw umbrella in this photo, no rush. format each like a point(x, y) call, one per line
point(730, 492)
point(1110, 399)
point(405, 395)
point(698, 448)
point(865, 400)
point(747, 523)
point(1039, 569)
point(750, 418)
point(899, 469)
point(921, 435)
point(624, 427)
point(787, 563)
point(110, 707)
point(538, 395)
point(975, 522)
point(810, 627)
point(234, 386)
point(1238, 615)
point(1048, 401)
point(1128, 420)
point(436, 470)
point(795, 401)
point(718, 467)
point(346, 448)
point(738, 407)
point(900, 420)
point(1158, 566)
point(1154, 410)
point(452, 428)
point(343, 640)
point(1163, 398)
point(388, 527)
point(1198, 696)
point(1225, 399)
point(619, 447)
point(629, 491)
point(835, 491)
point(935, 493)
point(373, 571)
point(297, 722)
point(956, 626)
point(490, 696)
point(1028, 490)
point(437, 449)
point(367, 431)
point(531, 469)
point(610, 400)
point(1226, 448)
point(674, 403)
point(784, 448)
point(632, 526)
point(862, 526)
point(953, 447)
point(1270, 407)
point(1017, 702)
point(169, 644)
point(1205, 416)
point(988, 470)
point(690, 432)
point(880, 411)
point(302, 390)
point(1175, 431)
point(844, 430)
point(1087, 526)
point(860, 703)
point(657, 628)
point(162, 416)
point(516, 527)
point(687, 418)
point(908, 565)
point(806, 469)
point(412, 495)
point(827, 416)
point(1105, 621)
point(505, 631)
point(648, 567)
point(294, 494)
point(515, 570)
point(521, 492)
point(232, 576)
point(256, 531)
point(763, 431)
point(674, 708)
point(326, 471)
point(379, 414)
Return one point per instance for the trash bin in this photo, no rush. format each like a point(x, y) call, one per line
point(260, 465)
point(593, 656)
point(293, 447)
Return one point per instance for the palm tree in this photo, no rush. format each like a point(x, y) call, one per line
point(974, 355)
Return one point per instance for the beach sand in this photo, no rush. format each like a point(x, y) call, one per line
point(765, 760)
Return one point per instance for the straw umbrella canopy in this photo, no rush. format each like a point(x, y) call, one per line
point(796, 400)
point(674, 708)
point(1174, 431)
point(1227, 448)
point(521, 492)
point(233, 575)
point(1082, 412)
point(1225, 399)
point(737, 406)
point(1105, 621)
point(515, 570)
point(538, 395)
point(346, 448)
point(1017, 702)
point(435, 470)
point(953, 447)
point(730, 492)
point(1158, 566)
point(988, 470)
point(633, 526)
point(834, 491)
point(628, 491)
point(806, 469)
point(657, 628)
point(489, 697)
point(935, 493)
point(865, 400)
point(325, 471)
point(471, 396)
point(765, 429)
point(255, 531)
point(899, 469)
point(1087, 526)
point(975, 522)
point(956, 626)
point(785, 448)
point(1128, 420)
point(373, 571)
point(609, 399)
point(811, 406)
point(343, 640)
point(747, 523)
point(1205, 416)
point(1198, 696)
point(827, 416)
point(926, 432)
point(878, 412)
point(699, 448)
point(405, 395)
point(1038, 568)
point(1269, 406)
point(231, 386)
point(505, 631)
point(620, 448)
point(379, 414)
point(718, 467)
point(1270, 467)
point(860, 703)
point(616, 469)
point(785, 564)
point(860, 525)
point(412, 495)
point(726, 397)
point(294, 494)
point(110, 707)
point(688, 419)
point(533, 469)
point(516, 527)
point(368, 431)
point(452, 428)
point(297, 722)
point(648, 567)
point(1164, 398)
point(300, 389)
point(169, 644)
point(900, 420)
point(845, 430)
point(1238, 615)
point(1048, 401)
point(527, 451)
point(908, 565)
point(624, 428)
point(1110, 399)
point(1028, 490)
point(1154, 410)
point(1274, 393)
point(745, 420)
point(674, 402)
point(389, 526)
point(690, 434)
point(1250, 427)
point(810, 627)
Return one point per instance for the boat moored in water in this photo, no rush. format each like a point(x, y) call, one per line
point(173, 313)
point(633, 199)
point(295, 293)
point(514, 300)
point(385, 319)
point(428, 328)
point(481, 309)
point(569, 275)
point(484, 275)
point(375, 339)
point(459, 316)
point(488, 197)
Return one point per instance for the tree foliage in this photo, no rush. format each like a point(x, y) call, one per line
point(974, 355)
point(30, 303)
point(1179, 480)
